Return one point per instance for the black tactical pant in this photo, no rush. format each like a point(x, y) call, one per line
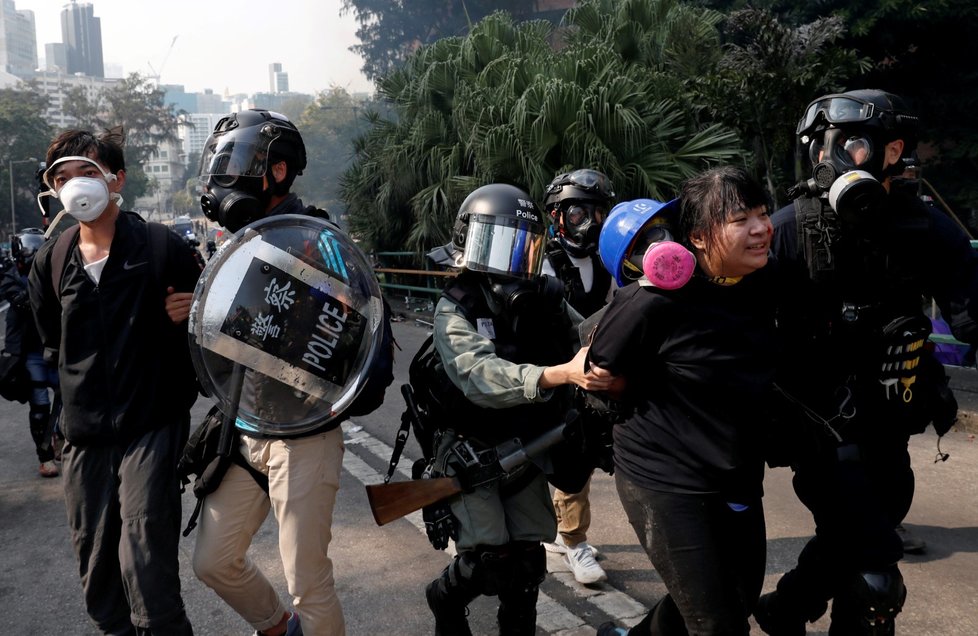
point(857, 493)
point(123, 503)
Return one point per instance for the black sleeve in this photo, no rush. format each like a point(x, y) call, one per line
point(183, 268)
point(621, 335)
point(953, 277)
point(44, 302)
point(12, 288)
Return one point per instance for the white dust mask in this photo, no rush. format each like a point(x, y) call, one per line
point(84, 198)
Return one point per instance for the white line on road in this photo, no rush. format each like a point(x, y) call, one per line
point(552, 617)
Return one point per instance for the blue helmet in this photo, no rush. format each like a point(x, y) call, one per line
point(622, 226)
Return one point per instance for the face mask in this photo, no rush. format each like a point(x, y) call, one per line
point(846, 167)
point(664, 263)
point(84, 198)
point(235, 208)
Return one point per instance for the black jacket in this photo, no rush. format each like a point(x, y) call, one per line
point(124, 366)
point(21, 334)
point(831, 322)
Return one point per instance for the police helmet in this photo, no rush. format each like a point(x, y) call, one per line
point(499, 230)
point(24, 245)
point(578, 203)
point(235, 158)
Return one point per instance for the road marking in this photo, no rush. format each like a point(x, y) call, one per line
point(552, 617)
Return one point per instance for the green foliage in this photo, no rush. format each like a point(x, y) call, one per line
point(391, 30)
point(136, 104)
point(768, 73)
point(500, 105)
point(329, 125)
point(23, 134)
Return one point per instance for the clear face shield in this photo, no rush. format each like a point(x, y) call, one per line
point(240, 152)
point(504, 245)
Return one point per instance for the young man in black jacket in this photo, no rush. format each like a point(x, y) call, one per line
point(98, 293)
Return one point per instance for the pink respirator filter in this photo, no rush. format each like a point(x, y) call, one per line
point(668, 265)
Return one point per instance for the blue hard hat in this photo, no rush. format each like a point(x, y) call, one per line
point(622, 226)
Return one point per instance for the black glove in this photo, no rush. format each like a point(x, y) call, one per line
point(440, 524)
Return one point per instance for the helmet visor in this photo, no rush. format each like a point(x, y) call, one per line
point(835, 110)
point(240, 152)
point(504, 245)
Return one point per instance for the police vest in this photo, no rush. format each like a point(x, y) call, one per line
point(585, 302)
point(535, 336)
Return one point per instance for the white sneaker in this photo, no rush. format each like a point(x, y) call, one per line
point(48, 469)
point(559, 547)
point(586, 570)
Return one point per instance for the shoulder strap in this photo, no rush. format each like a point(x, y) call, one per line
point(159, 245)
point(59, 255)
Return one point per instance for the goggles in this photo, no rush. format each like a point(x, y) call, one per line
point(241, 152)
point(584, 179)
point(580, 214)
point(652, 233)
point(836, 109)
point(504, 245)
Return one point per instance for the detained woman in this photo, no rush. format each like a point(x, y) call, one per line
point(694, 341)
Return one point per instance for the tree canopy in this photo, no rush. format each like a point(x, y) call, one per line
point(23, 135)
point(136, 104)
point(501, 105)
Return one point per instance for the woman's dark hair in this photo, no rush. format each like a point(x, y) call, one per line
point(708, 198)
point(106, 148)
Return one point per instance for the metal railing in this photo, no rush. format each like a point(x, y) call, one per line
point(408, 272)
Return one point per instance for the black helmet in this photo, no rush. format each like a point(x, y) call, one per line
point(882, 117)
point(499, 230)
point(235, 158)
point(24, 245)
point(578, 202)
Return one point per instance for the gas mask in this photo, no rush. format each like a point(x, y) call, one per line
point(658, 259)
point(235, 207)
point(580, 226)
point(845, 167)
point(84, 198)
point(542, 293)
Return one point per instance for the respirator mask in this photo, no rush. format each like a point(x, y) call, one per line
point(658, 258)
point(845, 166)
point(540, 294)
point(234, 207)
point(84, 198)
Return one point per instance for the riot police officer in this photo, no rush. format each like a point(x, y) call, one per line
point(23, 340)
point(577, 203)
point(862, 250)
point(504, 336)
point(247, 169)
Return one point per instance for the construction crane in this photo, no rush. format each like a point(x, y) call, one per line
point(156, 74)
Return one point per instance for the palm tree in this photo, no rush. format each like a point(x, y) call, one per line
point(501, 105)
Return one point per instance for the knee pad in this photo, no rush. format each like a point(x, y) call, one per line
point(529, 564)
point(870, 601)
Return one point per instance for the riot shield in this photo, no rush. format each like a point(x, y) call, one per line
point(294, 302)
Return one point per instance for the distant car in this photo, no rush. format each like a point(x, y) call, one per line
point(184, 227)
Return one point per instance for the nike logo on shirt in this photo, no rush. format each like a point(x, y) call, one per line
point(127, 265)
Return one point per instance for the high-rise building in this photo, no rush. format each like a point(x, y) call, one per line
point(18, 40)
point(278, 80)
point(81, 33)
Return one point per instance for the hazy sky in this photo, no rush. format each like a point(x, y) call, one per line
point(221, 44)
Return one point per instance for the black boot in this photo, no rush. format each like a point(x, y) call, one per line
point(449, 595)
point(775, 620)
point(527, 568)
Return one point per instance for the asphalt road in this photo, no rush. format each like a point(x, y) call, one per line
point(381, 571)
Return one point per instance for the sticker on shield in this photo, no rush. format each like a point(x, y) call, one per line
point(290, 320)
